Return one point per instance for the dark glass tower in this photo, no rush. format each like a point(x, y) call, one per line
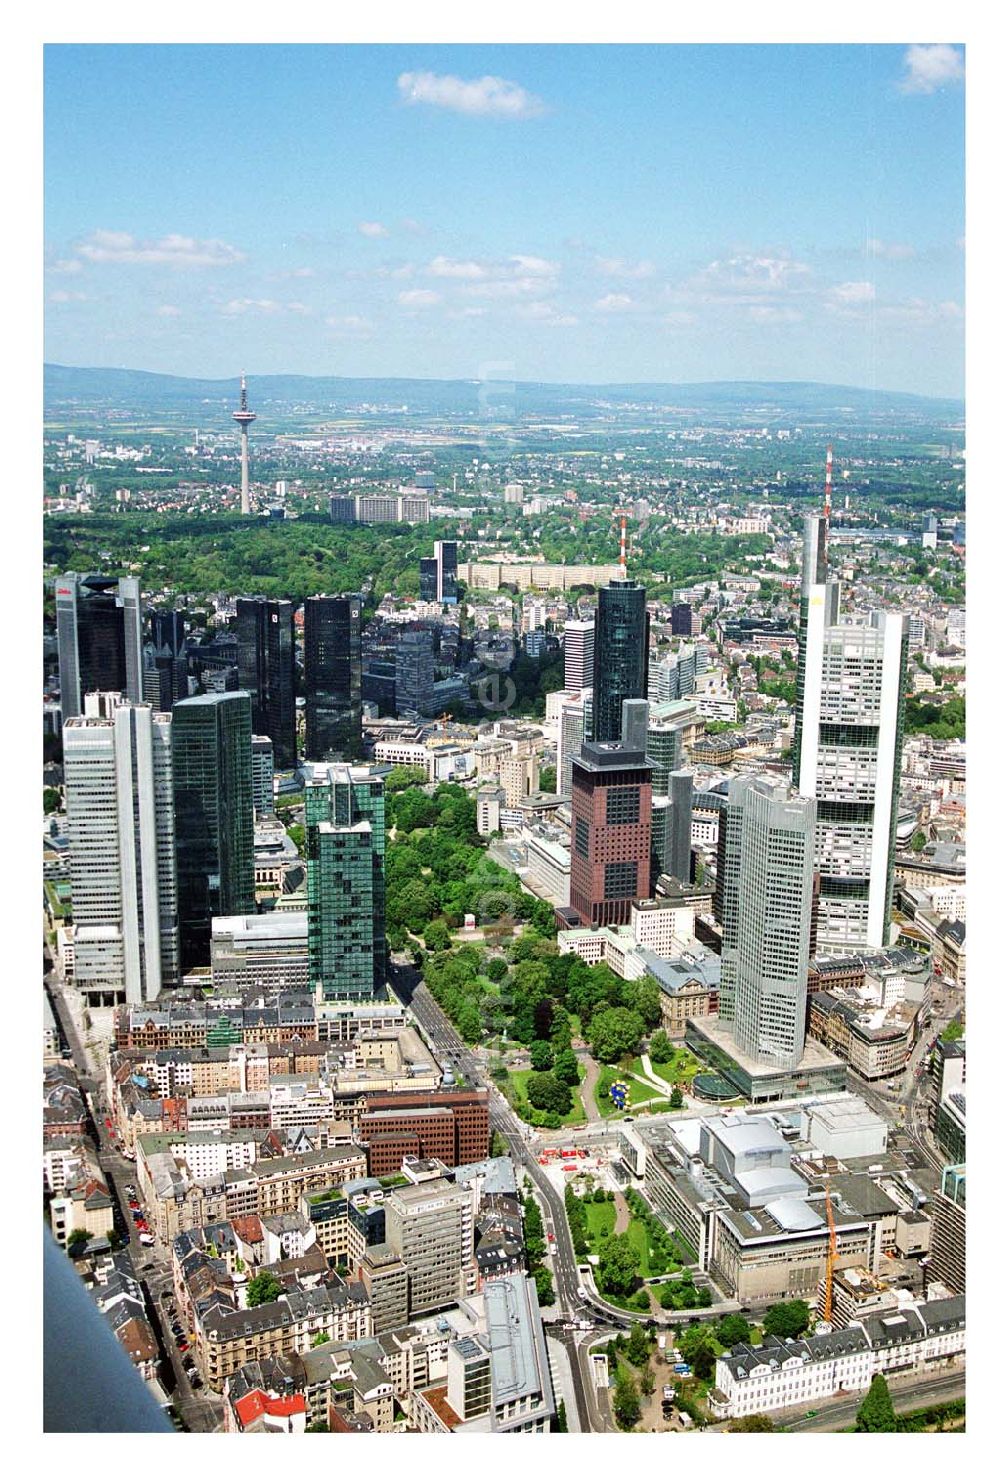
point(213, 816)
point(266, 642)
point(621, 655)
point(429, 580)
point(99, 634)
point(345, 832)
point(333, 677)
point(167, 662)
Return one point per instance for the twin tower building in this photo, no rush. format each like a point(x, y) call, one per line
point(804, 869)
point(160, 805)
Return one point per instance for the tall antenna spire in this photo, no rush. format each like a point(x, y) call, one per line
point(829, 482)
point(621, 548)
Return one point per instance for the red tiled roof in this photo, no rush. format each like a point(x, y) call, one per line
point(248, 1228)
point(256, 1404)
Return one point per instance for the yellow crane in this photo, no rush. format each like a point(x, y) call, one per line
point(831, 1256)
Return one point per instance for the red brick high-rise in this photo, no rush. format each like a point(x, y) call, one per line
point(612, 832)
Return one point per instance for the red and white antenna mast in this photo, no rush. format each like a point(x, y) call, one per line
point(621, 548)
point(827, 497)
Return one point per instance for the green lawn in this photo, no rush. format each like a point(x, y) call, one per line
point(599, 1217)
point(639, 1092)
point(517, 1079)
point(680, 1070)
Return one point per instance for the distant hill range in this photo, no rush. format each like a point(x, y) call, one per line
point(204, 400)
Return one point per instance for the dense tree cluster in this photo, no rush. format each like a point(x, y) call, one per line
point(787, 1319)
point(876, 1415)
point(936, 719)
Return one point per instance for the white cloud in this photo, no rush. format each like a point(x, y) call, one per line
point(66, 268)
point(853, 292)
point(303, 272)
point(749, 278)
point(172, 250)
point(63, 296)
point(617, 266)
point(239, 305)
point(468, 312)
point(445, 266)
point(614, 302)
point(929, 68)
point(301, 308)
point(918, 310)
point(679, 318)
point(167, 310)
point(544, 312)
point(415, 227)
point(486, 97)
point(373, 228)
point(419, 297)
point(890, 250)
point(535, 266)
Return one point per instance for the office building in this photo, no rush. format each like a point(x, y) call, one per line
point(948, 1230)
point(621, 654)
point(333, 677)
point(665, 747)
point(429, 1227)
point(429, 580)
point(452, 1126)
point(849, 761)
point(119, 803)
point(213, 810)
point(680, 620)
point(414, 673)
point(266, 657)
point(165, 675)
point(446, 558)
point(267, 950)
point(99, 637)
point(345, 828)
point(523, 1398)
point(578, 655)
point(573, 721)
point(262, 767)
point(767, 896)
point(815, 571)
point(611, 832)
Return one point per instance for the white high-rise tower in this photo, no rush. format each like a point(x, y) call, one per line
point(119, 803)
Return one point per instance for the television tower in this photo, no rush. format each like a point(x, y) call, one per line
point(244, 418)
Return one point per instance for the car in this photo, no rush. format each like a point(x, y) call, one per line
point(551, 1236)
point(183, 1345)
point(195, 1381)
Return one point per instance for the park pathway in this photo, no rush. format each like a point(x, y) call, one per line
point(622, 1215)
point(592, 1074)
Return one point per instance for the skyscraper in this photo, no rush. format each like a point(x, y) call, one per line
point(446, 556)
point(165, 678)
point(815, 570)
point(767, 895)
point(429, 580)
point(680, 619)
point(213, 811)
point(621, 654)
point(266, 645)
point(262, 761)
point(99, 634)
point(333, 677)
point(119, 803)
point(414, 673)
point(345, 837)
point(611, 832)
point(578, 655)
point(853, 705)
point(573, 718)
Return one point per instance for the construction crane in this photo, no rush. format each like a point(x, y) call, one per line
point(831, 1256)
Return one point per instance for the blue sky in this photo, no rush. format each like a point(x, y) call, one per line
point(577, 213)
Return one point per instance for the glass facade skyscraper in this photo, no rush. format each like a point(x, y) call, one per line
point(333, 677)
point(266, 655)
point(621, 655)
point(213, 816)
point(345, 839)
point(99, 636)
